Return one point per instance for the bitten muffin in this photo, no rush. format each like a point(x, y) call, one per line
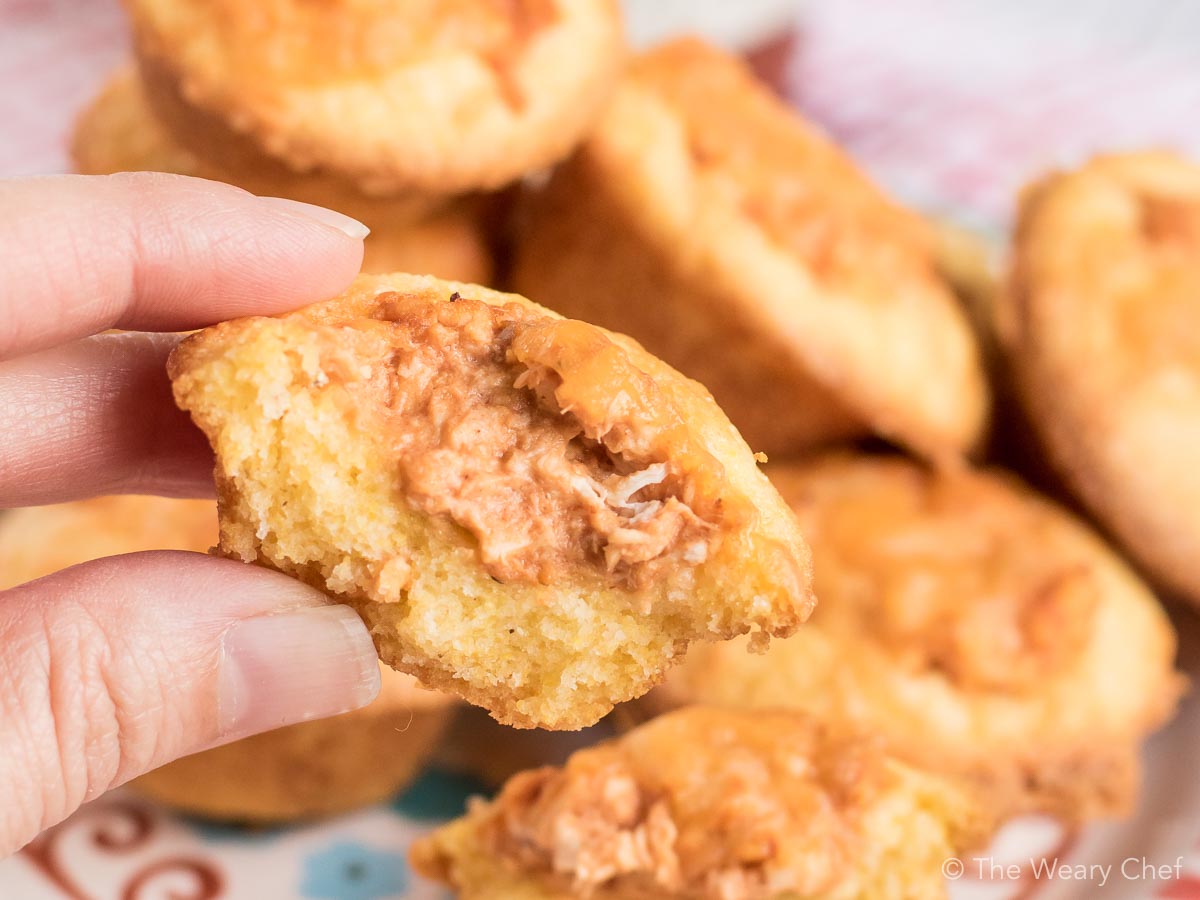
point(529, 511)
point(709, 804)
point(708, 221)
point(311, 769)
point(974, 626)
point(119, 133)
point(1099, 325)
point(433, 96)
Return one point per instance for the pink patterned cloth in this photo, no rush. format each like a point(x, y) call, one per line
point(955, 104)
point(54, 55)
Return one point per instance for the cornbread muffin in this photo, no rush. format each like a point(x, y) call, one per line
point(528, 511)
point(1099, 324)
point(705, 219)
point(118, 133)
point(974, 626)
point(313, 769)
point(302, 771)
point(708, 804)
point(432, 96)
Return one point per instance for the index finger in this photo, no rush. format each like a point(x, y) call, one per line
point(153, 252)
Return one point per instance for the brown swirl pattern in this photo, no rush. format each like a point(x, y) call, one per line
point(114, 828)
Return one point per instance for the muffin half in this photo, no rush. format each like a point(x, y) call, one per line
point(526, 510)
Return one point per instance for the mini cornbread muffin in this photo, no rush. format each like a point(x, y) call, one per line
point(119, 133)
point(528, 511)
point(432, 96)
point(707, 220)
point(312, 769)
point(1099, 325)
point(975, 627)
point(302, 771)
point(710, 804)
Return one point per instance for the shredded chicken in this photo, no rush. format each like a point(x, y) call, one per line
point(481, 439)
point(680, 812)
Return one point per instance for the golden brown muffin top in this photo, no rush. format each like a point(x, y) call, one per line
point(770, 227)
point(435, 96)
point(799, 187)
point(978, 628)
point(703, 804)
point(1098, 323)
point(307, 43)
point(1109, 255)
point(955, 573)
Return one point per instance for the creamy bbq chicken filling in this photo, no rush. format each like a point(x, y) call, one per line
point(482, 438)
point(708, 804)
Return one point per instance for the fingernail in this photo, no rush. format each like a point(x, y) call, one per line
point(293, 666)
point(340, 221)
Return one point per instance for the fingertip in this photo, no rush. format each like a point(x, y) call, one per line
point(155, 252)
point(347, 225)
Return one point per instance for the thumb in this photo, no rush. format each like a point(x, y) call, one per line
point(115, 667)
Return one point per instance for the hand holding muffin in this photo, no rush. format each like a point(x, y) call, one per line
point(117, 666)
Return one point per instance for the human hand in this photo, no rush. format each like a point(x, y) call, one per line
point(112, 668)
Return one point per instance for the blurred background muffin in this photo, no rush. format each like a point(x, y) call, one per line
point(973, 626)
point(706, 219)
point(118, 132)
point(430, 96)
point(1099, 327)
